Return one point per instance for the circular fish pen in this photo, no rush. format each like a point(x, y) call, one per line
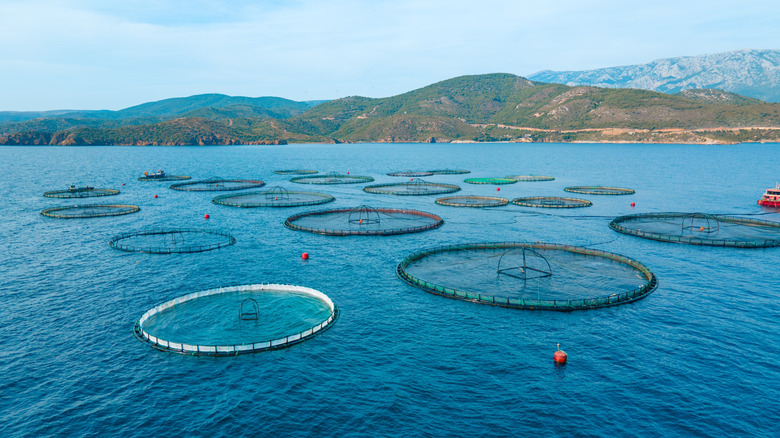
point(162, 176)
point(234, 320)
point(472, 201)
point(498, 181)
point(599, 190)
point(331, 178)
point(531, 276)
point(415, 187)
point(296, 172)
point(275, 197)
point(409, 174)
point(178, 241)
point(217, 185)
point(449, 172)
point(364, 221)
point(81, 192)
point(700, 229)
point(551, 202)
point(90, 211)
point(531, 178)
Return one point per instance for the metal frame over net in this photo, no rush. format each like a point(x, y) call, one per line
point(275, 197)
point(531, 178)
point(296, 172)
point(81, 192)
point(164, 178)
point(217, 185)
point(415, 187)
point(235, 349)
point(493, 181)
point(551, 202)
point(179, 241)
point(529, 265)
point(331, 178)
point(364, 220)
point(449, 172)
point(599, 190)
point(473, 201)
point(409, 174)
point(90, 210)
point(700, 229)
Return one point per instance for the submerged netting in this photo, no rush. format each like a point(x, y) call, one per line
point(531, 178)
point(217, 185)
point(489, 180)
point(411, 173)
point(295, 172)
point(81, 192)
point(364, 221)
point(599, 190)
point(88, 211)
point(551, 202)
point(700, 229)
point(472, 201)
point(237, 319)
point(332, 178)
point(275, 197)
point(415, 187)
point(162, 176)
point(171, 241)
point(530, 276)
point(449, 172)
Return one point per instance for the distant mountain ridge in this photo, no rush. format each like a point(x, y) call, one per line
point(751, 73)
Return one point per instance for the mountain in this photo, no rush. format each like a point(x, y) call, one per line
point(751, 73)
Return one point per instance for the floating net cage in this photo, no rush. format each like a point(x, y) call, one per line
point(162, 176)
point(364, 221)
point(409, 174)
point(472, 201)
point(490, 181)
point(89, 211)
point(599, 190)
point(415, 187)
point(171, 241)
point(233, 320)
point(533, 276)
point(274, 197)
point(295, 172)
point(700, 229)
point(218, 185)
point(551, 202)
point(332, 178)
point(81, 192)
point(531, 178)
point(449, 172)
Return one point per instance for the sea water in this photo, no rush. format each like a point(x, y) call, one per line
point(699, 356)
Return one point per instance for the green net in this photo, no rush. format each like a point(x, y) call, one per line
point(176, 241)
point(472, 201)
point(217, 185)
point(81, 192)
point(490, 181)
point(364, 221)
point(332, 178)
point(415, 187)
point(89, 211)
point(551, 202)
point(599, 190)
point(274, 197)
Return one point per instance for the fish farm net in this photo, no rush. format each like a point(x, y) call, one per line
point(700, 229)
point(599, 190)
point(531, 178)
point(89, 211)
point(364, 221)
point(295, 172)
point(275, 197)
point(171, 241)
point(489, 180)
point(233, 320)
point(162, 177)
point(551, 202)
point(218, 185)
point(332, 178)
point(538, 276)
point(81, 192)
point(472, 201)
point(449, 172)
point(415, 187)
point(410, 174)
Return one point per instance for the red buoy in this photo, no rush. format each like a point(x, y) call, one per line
point(347, 173)
point(123, 183)
point(205, 216)
point(633, 204)
point(560, 355)
point(155, 196)
point(411, 179)
point(305, 256)
point(498, 189)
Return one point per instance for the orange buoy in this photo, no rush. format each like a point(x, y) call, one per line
point(360, 221)
point(701, 228)
point(305, 256)
point(205, 216)
point(633, 204)
point(275, 198)
point(155, 196)
point(560, 355)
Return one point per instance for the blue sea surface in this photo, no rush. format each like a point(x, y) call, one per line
point(697, 357)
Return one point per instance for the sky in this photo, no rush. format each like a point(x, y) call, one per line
point(106, 54)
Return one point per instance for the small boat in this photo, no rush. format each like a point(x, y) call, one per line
point(159, 174)
point(771, 198)
point(74, 189)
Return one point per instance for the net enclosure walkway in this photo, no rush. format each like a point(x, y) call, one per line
point(228, 321)
point(217, 185)
point(472, 201)
point(449, 171)
point(415, 187)
point(80, 192)
point(599, 190)
point(411, 173)
point(331, 178)
point(531, 178)
point(532, 276)
point(700, 229)
point(177, 241)
point(295, 172)
point(90, 211)
point(551, 202)
point(498, 181)
point(364, 221)
point(275, 197)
